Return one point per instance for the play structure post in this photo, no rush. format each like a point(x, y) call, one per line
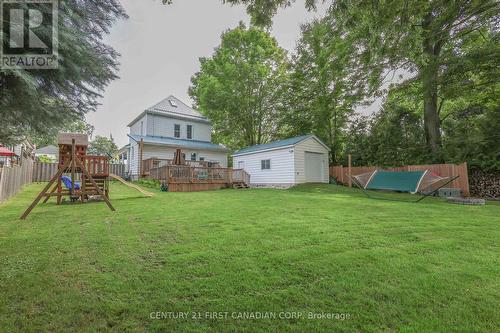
point(44, 191)
point(73, 158)
point(349, 162)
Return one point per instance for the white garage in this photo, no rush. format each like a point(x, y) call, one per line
point(284, 163)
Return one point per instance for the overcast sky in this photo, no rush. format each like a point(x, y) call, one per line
point(160, 46)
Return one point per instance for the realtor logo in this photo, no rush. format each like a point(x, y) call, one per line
point(28, 34)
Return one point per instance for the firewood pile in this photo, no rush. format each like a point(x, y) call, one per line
point(484, 184)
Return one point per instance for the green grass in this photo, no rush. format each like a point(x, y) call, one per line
point(392, 266)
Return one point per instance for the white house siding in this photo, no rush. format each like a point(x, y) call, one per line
point(133, 159)
point(282, 167)
point(135, 129)
point(309, 145)
point(164, 152)
point(164, 126)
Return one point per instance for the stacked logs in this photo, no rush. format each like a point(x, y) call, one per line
point(484, 184)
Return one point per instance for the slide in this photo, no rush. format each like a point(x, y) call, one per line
point(135, 187)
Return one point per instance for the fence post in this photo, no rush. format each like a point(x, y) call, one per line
point(349, 161)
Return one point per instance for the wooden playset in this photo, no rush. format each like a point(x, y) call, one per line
point(79, 176)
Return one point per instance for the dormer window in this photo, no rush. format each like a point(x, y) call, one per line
point(177, 130)
point(172, 102)
point(189, 131)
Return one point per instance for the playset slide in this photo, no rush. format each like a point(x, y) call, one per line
point(135, 187)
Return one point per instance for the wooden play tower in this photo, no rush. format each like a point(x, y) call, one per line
point(79, 176)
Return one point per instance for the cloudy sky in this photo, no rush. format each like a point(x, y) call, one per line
point(160, 46)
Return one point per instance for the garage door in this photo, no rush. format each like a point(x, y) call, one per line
point(314, 167)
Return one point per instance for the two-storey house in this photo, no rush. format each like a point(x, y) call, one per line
point(166, 127)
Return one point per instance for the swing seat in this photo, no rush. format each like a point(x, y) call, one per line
point(67, 182)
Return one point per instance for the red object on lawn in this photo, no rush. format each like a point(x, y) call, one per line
point(6, 152)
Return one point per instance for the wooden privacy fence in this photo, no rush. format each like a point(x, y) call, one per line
point(43, 172)
point(12, 179)
point(341, 173)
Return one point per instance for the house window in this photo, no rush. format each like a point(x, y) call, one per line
point(265, 164)
point(193, 157)
point(202, 159)
point(177, 130)
point(142, 128)
point(189, 131)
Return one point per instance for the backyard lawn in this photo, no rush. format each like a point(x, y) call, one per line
point(316, 250)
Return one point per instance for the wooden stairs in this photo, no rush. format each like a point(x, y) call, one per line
point(240, 185)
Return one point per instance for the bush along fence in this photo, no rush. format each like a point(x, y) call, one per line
point(43, 172)
point(12, 179)
point(341, 174)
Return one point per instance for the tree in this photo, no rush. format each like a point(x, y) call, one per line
point(422, 37)
point(102, 146)
point(323, 90)
point(239, 87)
point(261, 11)
point(37, 101)
point(45, 159)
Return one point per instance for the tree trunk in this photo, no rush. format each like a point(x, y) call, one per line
point(431, 116)
point(429, 71)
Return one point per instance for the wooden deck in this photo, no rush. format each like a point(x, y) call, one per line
point(190, 179)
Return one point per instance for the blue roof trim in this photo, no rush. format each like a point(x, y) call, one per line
point(274, 145)
point(180, 143)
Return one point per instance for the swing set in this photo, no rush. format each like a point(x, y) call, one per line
point(74, 164)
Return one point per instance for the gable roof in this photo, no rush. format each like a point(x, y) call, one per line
point(278, 144)
point(178, 143)
point(48, 150)
point(173, 107)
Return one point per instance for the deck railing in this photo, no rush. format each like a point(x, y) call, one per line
point(181, 174)
point(240, 176)
point(153, 163)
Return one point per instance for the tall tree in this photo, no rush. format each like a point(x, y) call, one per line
point(262, 11)
point(40, 100)
point(324, 90)
point(422, 37)
point(239, 87)
point(419, 36)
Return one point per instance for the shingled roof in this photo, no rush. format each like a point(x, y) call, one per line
point(178, 143)
point(173, 107)
point(277, 144)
